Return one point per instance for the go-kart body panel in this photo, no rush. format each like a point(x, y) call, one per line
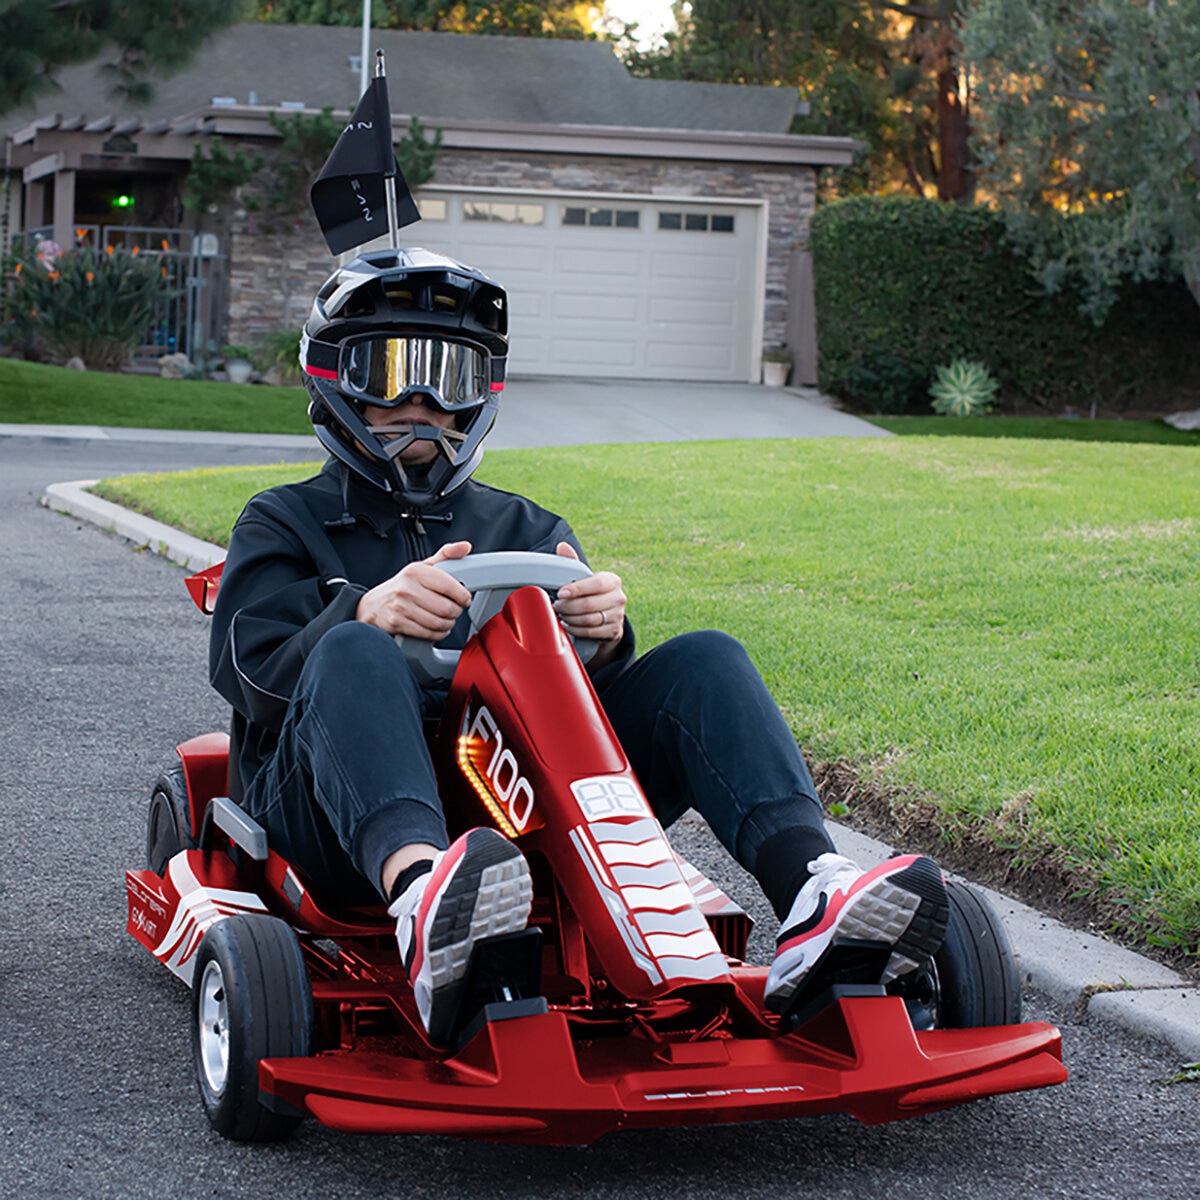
point(650, 1017)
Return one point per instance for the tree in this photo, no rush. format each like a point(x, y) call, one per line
point(514, 18)
point(884, 71)
point(150, 37)
point(1090, 136)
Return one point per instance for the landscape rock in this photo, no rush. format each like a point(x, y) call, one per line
point(1187, 421)
point(174, 366)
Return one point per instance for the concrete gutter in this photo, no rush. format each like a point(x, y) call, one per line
point(1089, 976)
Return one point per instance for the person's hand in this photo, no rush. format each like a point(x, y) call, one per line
point(592, 608)
point(421, 600)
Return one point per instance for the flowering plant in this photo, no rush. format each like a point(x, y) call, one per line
point(91, 303)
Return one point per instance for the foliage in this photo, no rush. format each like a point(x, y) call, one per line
point(306, 141)
point(512, 18)
point(280, 350)
point(981, 622)
point(963, 389)
point(36, 38)
point(215, 176)
point(904, 285)
point(1090, 135)
point(91, 303)
point(867, 69)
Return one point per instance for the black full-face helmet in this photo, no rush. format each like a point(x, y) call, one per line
point(392, 325)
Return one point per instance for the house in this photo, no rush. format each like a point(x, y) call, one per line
point(644, 228)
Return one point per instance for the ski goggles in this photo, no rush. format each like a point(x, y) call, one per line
point(387, 371)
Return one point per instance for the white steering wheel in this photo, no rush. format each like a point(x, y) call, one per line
point(491, 579)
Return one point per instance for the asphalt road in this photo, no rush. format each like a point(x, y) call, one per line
point(101, 673)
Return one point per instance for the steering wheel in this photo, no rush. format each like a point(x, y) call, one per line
point(491, 579)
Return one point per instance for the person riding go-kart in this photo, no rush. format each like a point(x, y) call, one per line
point(504, 801)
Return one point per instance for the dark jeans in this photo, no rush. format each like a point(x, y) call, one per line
point(351, 780)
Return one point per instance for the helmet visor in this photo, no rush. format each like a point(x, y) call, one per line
point(386, 371)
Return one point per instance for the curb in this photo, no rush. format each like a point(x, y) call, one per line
point(1091, 978)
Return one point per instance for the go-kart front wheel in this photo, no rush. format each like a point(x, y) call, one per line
point(972, 981)
point(168, 821)
point(251, 1000)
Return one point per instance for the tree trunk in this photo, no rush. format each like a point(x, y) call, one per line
point(956, 179)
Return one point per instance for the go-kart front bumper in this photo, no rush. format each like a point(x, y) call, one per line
point(526, 1079)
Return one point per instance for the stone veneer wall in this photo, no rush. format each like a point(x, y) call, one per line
point(273, 277)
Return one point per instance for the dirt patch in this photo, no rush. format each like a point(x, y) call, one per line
point(1002, 854)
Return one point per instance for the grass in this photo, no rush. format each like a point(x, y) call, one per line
point(1006, 627)
point(34, 393)
point(1157, 432)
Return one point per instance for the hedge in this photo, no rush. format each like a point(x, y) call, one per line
point(904, 286)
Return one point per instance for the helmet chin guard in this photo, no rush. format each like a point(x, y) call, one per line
point(386, 328)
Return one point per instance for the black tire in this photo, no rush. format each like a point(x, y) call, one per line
point(976, 970)
point(168, 820)
point(251, 1000)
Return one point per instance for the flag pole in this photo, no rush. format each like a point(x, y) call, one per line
point(389, 181)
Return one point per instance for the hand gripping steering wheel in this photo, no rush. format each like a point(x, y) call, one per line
point(491, 579)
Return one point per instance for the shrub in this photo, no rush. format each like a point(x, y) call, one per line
point(88, 303)
point(906, 285)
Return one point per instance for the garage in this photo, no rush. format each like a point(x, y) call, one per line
point(621, 286)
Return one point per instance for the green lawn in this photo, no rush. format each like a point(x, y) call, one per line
point(1008, 627)
point(33, 393)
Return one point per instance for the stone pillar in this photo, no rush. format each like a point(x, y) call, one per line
point(64, 209)
point(802, 317)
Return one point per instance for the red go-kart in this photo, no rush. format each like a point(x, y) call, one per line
point(625, 1004)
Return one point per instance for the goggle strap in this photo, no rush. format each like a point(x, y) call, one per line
point(321, 359)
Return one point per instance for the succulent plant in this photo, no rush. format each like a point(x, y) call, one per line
point(963, 389)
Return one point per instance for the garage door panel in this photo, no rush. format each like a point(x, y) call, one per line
point(600, 260)
point(706, 357)
point(709, 267)
point(592, 352)
point(568, 306)
point(720, 312)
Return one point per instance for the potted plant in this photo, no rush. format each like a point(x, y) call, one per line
point(776, 364)
point(239, 363)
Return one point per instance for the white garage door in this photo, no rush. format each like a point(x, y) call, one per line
point(632, 289)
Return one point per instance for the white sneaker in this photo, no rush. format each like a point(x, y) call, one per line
point(478, 888)
point(902, 903)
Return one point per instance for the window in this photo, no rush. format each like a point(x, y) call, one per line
point(431, 209)
point(504, 212)
point(602, 218)
point(696, 222)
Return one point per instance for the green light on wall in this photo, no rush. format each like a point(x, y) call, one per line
point(122, 202)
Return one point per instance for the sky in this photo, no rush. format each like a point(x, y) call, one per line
point(653, 16)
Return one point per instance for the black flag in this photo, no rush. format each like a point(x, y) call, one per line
point(349, 196)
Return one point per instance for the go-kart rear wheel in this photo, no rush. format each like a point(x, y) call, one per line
point(251, 1000)
point(168, 821)
point(977, 972)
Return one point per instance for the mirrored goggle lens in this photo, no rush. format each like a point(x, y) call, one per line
point(387, 370)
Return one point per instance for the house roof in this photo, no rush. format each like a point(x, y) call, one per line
point(436, 76)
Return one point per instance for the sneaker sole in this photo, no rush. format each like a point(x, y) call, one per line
point(489, 893)
point(907, 910)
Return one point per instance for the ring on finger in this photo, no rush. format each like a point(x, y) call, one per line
point(604, 618)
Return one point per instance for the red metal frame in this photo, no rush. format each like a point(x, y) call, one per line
point(653, 1019)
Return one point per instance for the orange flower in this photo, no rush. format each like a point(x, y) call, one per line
point(53, 274)
point(33, 312)
point(165, 244)
point(108, 249)
point(136, 251)
point(81, 234)
point(164, 272)
point(18, 268)
point(89, 277)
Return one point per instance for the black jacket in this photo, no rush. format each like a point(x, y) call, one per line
point(302, 555)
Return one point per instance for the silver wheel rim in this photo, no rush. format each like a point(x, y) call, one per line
point(213, 1020)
